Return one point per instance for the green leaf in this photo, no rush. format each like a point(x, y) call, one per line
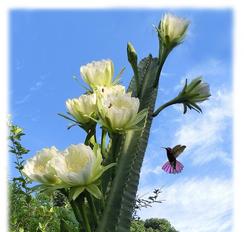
point(38, 187)
point(75, 192)
point(94, 190)
point(195, 107)
point(64, 226)
point(72, 125)
point(66, 117)
point(117, 78)
point(87, 89)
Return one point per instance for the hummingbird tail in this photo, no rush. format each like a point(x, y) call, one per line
point(169, 168)
point(179, 167)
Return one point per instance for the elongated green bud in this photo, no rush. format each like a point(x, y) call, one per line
point(132, 58)
point(131, 53)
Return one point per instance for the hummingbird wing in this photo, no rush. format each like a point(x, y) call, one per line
point(177, 150)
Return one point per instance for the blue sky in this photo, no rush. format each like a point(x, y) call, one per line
point(47, 48)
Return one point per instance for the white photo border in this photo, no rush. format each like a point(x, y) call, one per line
point(238, 78)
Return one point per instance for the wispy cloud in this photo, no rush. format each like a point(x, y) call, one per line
point(205, 134)
point(195, 204)
point(209, 68)
point(212, 69)
point(23, 100)
point(35, 87)
point(19, 65)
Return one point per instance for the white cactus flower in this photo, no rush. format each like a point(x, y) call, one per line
point(82, 108)
point(80, 167)
point(98, 73)
point(40, 169)
point(103, 91)
point(119, 112)
point(172, 29)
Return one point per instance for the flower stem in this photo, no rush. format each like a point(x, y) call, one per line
point(162, 57)
point(116, 140)
point(110, 174)
point(92, 207)
point(169, 103)
point(91, 134)
point(76, 211)
point(74, 206)
point(103, 142)
point(80, 201)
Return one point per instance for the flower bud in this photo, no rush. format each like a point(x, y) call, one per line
point(98, 73)
point(172, 30)
point(131, 53)
point(39, 168)
point(196, 91)
point(83, 107)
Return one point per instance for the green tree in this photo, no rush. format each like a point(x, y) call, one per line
point(137, 226)
point(152, 225)
point(39, 214)
point(31, 212)
point(158, 225)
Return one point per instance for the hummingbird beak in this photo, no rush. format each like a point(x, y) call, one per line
point(164, 147)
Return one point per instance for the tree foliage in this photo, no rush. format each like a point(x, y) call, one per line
point(34, 212)
point(146, 202)
point(152, 225)
point(39, 213)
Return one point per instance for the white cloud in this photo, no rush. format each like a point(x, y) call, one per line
point(35, 87)
point(211, 69)
point(204, 135)
point(208, 68)
point(195, 205)
point(23, 100)
point(148, 169)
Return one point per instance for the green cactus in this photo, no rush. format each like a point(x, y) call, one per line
point(144, 85)
point(119, 208)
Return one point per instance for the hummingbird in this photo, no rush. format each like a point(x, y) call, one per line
point(173, 166)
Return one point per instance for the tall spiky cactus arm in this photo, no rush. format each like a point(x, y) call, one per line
point(117, 214)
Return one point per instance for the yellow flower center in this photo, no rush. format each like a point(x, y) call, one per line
point(76, 162)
